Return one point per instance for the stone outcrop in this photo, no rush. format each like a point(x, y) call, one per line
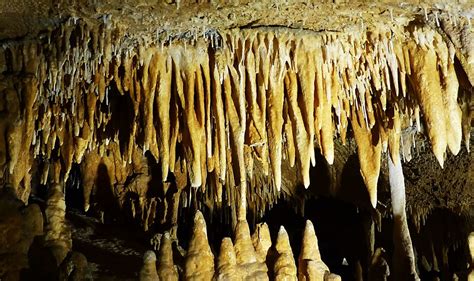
point(19, 224)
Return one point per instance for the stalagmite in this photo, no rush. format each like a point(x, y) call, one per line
point(310, 265)
point(57, 232)
point(245, 253)
point(148, 271)
point(261, 241)
point(284, 268)
point(404, 264)
point(19, 226)
point(227, 264)
point(378, 268)
point(166, 269)
point(199, 263)
point(333, 277)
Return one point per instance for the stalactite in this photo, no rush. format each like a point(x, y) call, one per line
point(162, 103)
point(369, 150)
point(260, 97)
point(427, 86)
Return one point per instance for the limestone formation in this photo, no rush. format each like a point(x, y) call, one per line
point(74, 267)
point(310, 265)
point(227, 263)
point(404, 263)
point(284, 268)
point(261, 241)
point(246, 257)
point(148, 271)
point(379, 268)
point(302, 89)
point(166, 268)
point(57, 236)
point(199, 258)
point(154, 109)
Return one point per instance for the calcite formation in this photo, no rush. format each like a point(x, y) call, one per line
point(222, 102)
point(310, 264)
point(261, 241)
point(57, 236)
point(162, 106)
point(285, 267)
point(199, 258)
point(227, 263)
point(148, 271)
point(404, 257)
point(166, 268)
point(246, 257)
point(241, 259)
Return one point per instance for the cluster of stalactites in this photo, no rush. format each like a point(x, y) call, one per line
point(261, 97)
point(247, 257)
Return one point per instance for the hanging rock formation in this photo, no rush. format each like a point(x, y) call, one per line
point(189, 94)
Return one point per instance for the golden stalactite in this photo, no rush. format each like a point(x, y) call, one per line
point(260, 99)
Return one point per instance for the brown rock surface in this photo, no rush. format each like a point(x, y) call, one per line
point(18, 227)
